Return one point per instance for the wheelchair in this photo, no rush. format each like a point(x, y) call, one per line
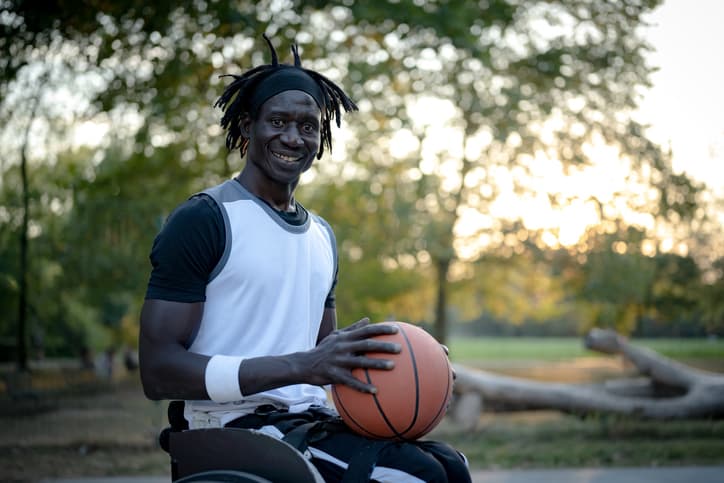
point(231, 455)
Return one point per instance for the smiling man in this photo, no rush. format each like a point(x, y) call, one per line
point(239, 320)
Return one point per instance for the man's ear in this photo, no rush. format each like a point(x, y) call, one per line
point(245, 125)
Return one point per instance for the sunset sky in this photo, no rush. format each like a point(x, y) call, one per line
point(685, 106)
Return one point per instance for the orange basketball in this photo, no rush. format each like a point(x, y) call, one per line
point(411, 399)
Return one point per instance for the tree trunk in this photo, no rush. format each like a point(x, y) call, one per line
point(22, 338)
point(670, 391)
point(440, 328)
point(22, 342)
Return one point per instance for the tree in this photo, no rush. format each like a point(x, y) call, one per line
point(22, 355)
point(512, 83)
point(55, 61)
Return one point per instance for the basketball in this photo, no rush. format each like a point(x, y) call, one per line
point(411, 399)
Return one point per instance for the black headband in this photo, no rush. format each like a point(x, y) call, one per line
point(287, 78)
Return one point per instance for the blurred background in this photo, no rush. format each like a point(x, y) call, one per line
point(518, 172)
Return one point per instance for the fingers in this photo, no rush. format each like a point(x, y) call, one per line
point(337, 355)
point(363, 362)
point(447, 352)
point(364, 384)
point(357, 325)
point(362, 329)
point(366, 346)
point(355, 383)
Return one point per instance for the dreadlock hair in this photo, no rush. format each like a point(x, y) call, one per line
point(235, 100)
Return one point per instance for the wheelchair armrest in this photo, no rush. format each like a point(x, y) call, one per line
point(164, 437)
point(198, 450)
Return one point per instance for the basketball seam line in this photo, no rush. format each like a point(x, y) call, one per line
point(380, 410)
point(417, 380)
point(396, 432)
point(352, 419)
point(442, 410)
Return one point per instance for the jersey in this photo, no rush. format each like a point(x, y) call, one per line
point(265, 295)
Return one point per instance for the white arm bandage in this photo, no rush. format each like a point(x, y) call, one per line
point(222, 378)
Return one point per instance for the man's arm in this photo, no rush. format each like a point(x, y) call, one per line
point(170, 371)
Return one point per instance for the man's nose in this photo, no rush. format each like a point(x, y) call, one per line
point(291, 136)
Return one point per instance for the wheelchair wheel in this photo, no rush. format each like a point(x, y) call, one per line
point(223, 476)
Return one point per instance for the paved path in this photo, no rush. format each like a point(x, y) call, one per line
point(708, 474)
point(689, 474)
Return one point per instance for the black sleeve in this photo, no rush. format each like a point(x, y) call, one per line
point(331, 300)
point(186, 250)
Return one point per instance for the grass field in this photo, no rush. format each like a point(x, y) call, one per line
point(547, 439)
point(78, 427)
point(565, 348)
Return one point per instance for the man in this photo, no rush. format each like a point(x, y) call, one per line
point(239, 318)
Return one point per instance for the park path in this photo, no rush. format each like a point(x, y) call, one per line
point(693, 474)
point(688, 474)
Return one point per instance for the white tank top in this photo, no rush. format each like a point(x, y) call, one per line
point(265, 297)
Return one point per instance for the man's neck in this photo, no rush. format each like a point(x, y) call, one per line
point(279, 196)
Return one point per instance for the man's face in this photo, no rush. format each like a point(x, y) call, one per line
point(285, 136)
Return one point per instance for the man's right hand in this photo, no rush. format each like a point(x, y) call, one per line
point(341, 351)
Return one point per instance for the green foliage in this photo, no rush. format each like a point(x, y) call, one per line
point(516, 289)
point(616, 288)
point(620, 286)
point(711, 300)
point(373, 281)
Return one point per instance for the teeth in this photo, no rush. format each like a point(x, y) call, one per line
point(284, 157)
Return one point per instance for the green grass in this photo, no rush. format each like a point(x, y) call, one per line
point(512, 441)
point(547, 439)
point(563, 348)
point(687, 348)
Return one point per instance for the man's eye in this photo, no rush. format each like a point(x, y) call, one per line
point(308, 127)
point(276, 122)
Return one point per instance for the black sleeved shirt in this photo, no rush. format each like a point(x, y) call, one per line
point(190, 245)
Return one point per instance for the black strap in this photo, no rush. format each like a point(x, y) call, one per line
point(299, 436)
point(305, 428)
point(305, 434)
point(362, 464)
point(299, 429)
point(176, 416)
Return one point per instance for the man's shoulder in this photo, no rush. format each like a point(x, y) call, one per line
point(317, 218)
point(208, 202)
point(325, 226)
point(196, 208)
point(226, 192)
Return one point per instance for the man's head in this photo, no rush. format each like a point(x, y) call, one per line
point(246, 96)
point(284, 136)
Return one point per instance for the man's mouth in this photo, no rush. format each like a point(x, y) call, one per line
point(285, 157)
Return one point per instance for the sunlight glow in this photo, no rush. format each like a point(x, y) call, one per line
point(688, 43)
point(403, 144)
point(89, 133)
point(580, 192)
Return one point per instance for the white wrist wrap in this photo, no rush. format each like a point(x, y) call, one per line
point(222, 378)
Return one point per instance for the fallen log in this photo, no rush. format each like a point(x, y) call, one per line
point(668, 390)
